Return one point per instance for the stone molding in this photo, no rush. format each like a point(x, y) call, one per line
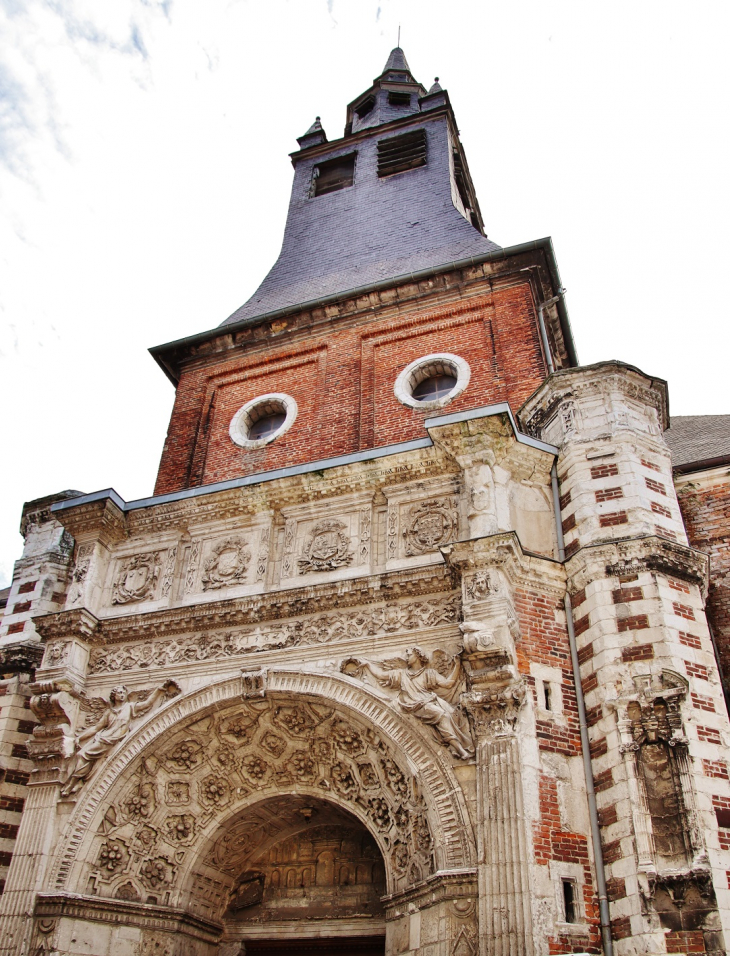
point(237, 612)
point(573, 384)
point(458, 884)
point(54, 906)
point(633, 555)
point(432, 767)
point(503, 553)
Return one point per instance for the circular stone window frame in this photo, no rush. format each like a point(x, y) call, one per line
point(438, 363)
point(273, 403)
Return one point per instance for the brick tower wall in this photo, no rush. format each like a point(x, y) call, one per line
point(342, 377)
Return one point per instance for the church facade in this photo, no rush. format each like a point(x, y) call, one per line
point(408, 652)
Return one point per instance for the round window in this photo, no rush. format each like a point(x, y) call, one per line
point(262, 420)
point(432, 381)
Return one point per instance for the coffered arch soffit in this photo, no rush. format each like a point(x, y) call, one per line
point(378, 768)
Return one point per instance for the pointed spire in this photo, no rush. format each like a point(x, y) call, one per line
point(436, 88)
point(397, 61)
point(314, 135)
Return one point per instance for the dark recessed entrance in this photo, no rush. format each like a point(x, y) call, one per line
point(352, 946)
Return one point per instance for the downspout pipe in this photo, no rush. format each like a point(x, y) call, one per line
point(606, 936)
point(543, 331)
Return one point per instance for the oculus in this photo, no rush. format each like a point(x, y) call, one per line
point(263, 419)
point(432, 381)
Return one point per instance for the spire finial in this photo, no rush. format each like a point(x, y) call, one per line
point(399, 34)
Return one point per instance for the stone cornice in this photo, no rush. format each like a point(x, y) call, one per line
point(269, 606)
point(125, 913)
point(105, 519)
point(444, 885)
point(505, 551)
point(631, 555)
point(541, 406)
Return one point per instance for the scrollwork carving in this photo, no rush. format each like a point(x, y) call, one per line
point(137, 579)
point(431, 524)
point(326, 548)
point(366, 622)
point(227, 564)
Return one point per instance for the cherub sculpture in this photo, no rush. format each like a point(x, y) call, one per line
point(113, 726)
point(427, 687)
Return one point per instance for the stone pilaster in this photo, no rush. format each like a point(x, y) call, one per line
point(505, 921)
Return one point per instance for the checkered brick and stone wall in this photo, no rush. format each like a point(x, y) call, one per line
point(658, 725)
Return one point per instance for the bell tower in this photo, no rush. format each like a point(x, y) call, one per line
point(384, 264)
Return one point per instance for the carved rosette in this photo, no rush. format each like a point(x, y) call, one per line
point(137, 579)
point(156, 822)
point(326, 548)
point(227, 564)
point(431, 524)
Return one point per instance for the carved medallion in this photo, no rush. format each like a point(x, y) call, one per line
point(432, 524)
point(137, 579)
point(227, 564)
point(327, 548)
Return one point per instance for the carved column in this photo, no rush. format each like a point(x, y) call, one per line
point(494, 700)
point(505, 920)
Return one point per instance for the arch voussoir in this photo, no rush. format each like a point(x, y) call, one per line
point(292, 730)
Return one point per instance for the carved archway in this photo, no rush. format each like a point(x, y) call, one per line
point(152, 811)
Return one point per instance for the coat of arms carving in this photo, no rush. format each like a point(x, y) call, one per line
point(327, 548)
point(227, 564)
point(137, 579)
point(431, 525)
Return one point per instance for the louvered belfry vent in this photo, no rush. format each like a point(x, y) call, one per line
point(399, 153)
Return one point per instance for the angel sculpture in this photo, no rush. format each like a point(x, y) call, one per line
point(113, 726)
point(427, 688)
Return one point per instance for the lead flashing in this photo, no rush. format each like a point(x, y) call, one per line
point(245, 481)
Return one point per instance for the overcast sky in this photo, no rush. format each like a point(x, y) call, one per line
point(144, 181)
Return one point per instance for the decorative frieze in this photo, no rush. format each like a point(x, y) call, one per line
point(322, 629)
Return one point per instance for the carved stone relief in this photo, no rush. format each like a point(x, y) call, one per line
point(427, 687)
point(114, 724)
point(323, 629)
point(227, 565)
point(326, 548)
point(136, 579)
point(431, 524)
point(259, 746)
point(56, 654)
point(657, 762)
point(169, 572)
point(78, 576)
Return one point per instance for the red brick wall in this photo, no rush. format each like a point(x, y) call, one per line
point(342, 378)
point(705, 508)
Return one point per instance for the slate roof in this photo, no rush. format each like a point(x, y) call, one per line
point(378, 228)
point(698, 439)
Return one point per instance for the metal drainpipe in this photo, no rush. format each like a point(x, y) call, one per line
point(585, 743)
point(543, 330)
